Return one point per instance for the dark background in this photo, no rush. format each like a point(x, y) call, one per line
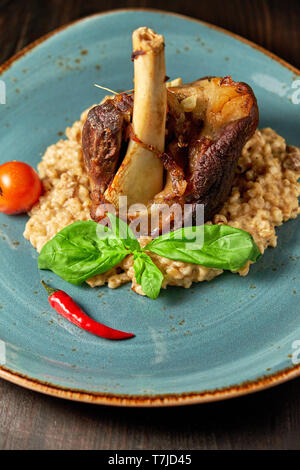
point(268, 420)
point(274, 24)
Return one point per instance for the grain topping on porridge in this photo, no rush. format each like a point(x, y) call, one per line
point(264, 195)
point(175, 144)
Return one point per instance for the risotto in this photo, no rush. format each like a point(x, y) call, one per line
point(264, 195)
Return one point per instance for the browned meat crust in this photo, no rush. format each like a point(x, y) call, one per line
point(202, 148)
point(212, 146)
point(102, 138)
point(210, 180)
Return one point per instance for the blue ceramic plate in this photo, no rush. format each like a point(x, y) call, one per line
point(213, 341)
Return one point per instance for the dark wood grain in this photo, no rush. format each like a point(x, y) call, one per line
point(273, 24)
point(268, 420)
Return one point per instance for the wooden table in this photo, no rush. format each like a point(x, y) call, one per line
point(268, 420)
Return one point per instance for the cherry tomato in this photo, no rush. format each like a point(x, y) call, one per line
point(20, 187)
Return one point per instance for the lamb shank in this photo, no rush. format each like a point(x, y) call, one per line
point(166, 144)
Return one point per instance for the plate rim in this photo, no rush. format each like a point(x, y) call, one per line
point(160, 400)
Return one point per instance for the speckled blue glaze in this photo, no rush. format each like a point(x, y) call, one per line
point(213, 335)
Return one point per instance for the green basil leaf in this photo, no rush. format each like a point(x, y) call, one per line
point(124, 232)
point(224, 247)
point(147, 275)
point(82, 250)
point(139, 267)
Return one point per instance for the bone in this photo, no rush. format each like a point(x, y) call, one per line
point(140, 176)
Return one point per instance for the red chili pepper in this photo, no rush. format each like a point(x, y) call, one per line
point(65, 306)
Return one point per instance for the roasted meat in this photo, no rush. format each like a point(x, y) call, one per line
point(102, 137)
point(184, 141)
point(223, 115)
